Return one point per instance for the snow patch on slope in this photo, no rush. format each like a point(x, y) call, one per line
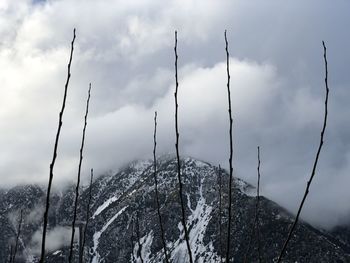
point(198, 221)
point(141, 166)
point(201, 164)
point(146, 243)
point(98, 234)
point(104, 206)
point(138, 167)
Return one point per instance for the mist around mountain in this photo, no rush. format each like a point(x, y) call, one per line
point(124, 224)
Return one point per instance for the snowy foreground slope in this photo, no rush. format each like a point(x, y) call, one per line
point(115, 236)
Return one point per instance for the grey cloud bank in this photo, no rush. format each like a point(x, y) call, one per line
point(125, 49)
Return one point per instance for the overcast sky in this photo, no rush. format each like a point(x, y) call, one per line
point(125, 49)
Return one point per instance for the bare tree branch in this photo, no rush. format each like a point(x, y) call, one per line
point(256, 225)
point(132, 239)
point(220, 215)
point(257, 209)
point(231, 153)
point(316, 159)
point(17, 236)
point(183, 220)
point(46, 213)
point(87, 215)
point(138, 238)
point(11, 254)
point(78, 178)
point(156, 188)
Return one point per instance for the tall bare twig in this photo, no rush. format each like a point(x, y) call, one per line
point(132, 239)
point(257, 219)
point(156, 188)
point(78, 178)
point(17, 236)
point(183, 219)
point(46, 213)
point(11, 254)
point(316, 158)
point(231, 153)
point(138, 239)
point(87, 215)
point(256, 226)
point(220, 215)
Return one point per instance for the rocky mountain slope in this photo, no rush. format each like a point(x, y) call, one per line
point(124, 223)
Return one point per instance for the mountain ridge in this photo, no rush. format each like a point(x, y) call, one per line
point(119, 198)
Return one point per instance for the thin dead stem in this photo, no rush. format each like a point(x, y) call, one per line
point(183, 219)
point(220, 215)
point(257, 209)
point(78, 178)
point(17, 236)
point(156, 188)
point(132, 239)
point(87, 215)
point(11, 254)
point(231, 153)
point(46, 213)
point(256, 226)
point(138, 238)
point(316, 158)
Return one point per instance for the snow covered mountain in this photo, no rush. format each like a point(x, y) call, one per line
point(114, 234)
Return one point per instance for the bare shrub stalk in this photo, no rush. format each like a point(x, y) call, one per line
point(220, 215)
point(316, 158)
point(132, 239)
point(231, 153)
point(256, 218)
point(87, 216)
point(183, 219)
point(78, 178)
point(257, 223)
point(11, 254)
point(46, 213)
point(138, 238)
point(156, 187)
point(17, 236)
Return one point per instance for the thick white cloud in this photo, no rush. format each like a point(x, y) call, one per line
point(125, 48)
